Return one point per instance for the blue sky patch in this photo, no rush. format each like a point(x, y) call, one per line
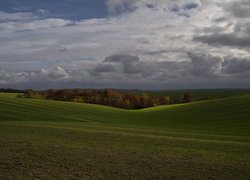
point(68, 9)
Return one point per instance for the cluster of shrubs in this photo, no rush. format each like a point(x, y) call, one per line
point(105, 97)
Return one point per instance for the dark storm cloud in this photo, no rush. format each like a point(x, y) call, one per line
point(127, 63)
point(184, 7)
point(236, 66)
point(240, 8)
point(153, 53)
point(200, 65)
point(204, 65)
point(229, 39)
point(191, 5)
point(105, 68)
point(122, 69)
point(122, 58)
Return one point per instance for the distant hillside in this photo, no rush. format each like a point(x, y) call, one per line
point(198, 94)
point(9, 90)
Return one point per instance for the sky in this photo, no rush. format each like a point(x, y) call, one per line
point(128, 44)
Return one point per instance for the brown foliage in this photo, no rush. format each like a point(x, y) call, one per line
point(105, 97)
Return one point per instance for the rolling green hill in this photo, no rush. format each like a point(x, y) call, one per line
point(201, 140)
point(197, 94)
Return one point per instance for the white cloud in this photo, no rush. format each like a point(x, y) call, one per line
point(58, 73)
point(19, 16)
point(10, 76)
point(160, 32)
point(32, 25)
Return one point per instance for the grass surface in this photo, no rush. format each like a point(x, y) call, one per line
point(198, 94)
point(53, 139)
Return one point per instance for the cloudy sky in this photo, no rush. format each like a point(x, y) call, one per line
point(143, 44)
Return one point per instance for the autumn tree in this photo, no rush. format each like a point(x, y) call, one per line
point(186, 98)
point(164, 100)
point(30, 93)
point(106, 97)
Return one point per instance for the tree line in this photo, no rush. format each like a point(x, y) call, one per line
point(108, 97)
point(9, 90)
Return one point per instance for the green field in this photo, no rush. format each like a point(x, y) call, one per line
point(198, 94)
point(64, 140)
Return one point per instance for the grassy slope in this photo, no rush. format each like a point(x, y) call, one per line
point(42, 138)
point(199, 93)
